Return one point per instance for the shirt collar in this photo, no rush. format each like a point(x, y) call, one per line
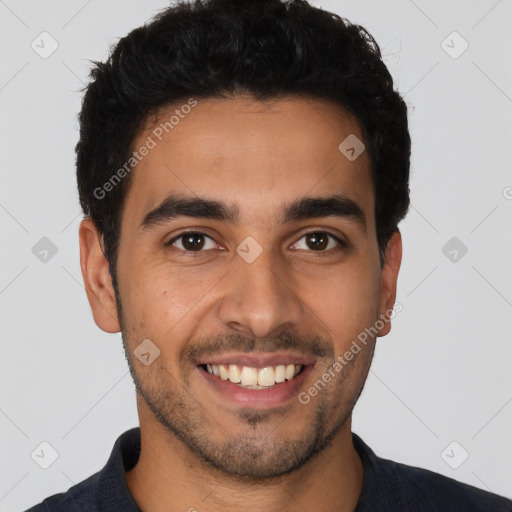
point(113, 491)
point(383, 485)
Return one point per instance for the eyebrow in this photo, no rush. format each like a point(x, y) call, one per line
point(175, 206)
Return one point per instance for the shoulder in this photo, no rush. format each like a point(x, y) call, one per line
point(105, 490)
point(77, 498)
point(390, 485)
point(438, 492)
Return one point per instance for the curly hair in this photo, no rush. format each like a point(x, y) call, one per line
point(220, 48)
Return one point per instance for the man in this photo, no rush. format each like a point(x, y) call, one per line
point(243, 166)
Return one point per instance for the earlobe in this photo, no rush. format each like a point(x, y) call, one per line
point(97, 280)
point(389, 280)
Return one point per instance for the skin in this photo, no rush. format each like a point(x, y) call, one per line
point(218, 454)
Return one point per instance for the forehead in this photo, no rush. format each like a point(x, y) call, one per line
point(258, 155)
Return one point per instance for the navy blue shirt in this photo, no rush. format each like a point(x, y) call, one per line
point(387, 487)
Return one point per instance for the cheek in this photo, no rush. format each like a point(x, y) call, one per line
point(349, 300)
point(162, 305)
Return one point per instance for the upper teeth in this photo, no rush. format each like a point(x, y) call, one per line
point(249, 376)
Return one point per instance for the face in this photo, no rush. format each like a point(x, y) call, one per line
point(248, 249)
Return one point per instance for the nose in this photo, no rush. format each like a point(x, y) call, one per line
point(260, 298)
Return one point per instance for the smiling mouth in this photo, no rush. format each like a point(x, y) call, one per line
point(249, 377)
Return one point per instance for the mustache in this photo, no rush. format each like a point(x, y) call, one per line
point(237, 342)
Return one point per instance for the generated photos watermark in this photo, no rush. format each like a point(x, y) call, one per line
point(342, 360)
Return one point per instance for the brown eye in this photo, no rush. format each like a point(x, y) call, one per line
point(319, 241)
point(192, 242)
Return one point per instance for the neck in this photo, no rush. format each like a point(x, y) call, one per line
point(168, 477)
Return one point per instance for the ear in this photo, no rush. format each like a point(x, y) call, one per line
point(390, 270)
point(97, 280)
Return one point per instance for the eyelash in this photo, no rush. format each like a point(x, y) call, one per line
point(342, 244)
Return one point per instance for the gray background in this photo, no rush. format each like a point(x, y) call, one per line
point(442, 375)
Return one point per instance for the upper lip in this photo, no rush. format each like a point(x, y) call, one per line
point(257, 360)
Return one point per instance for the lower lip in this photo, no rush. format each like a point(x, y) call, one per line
point(258, 398)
